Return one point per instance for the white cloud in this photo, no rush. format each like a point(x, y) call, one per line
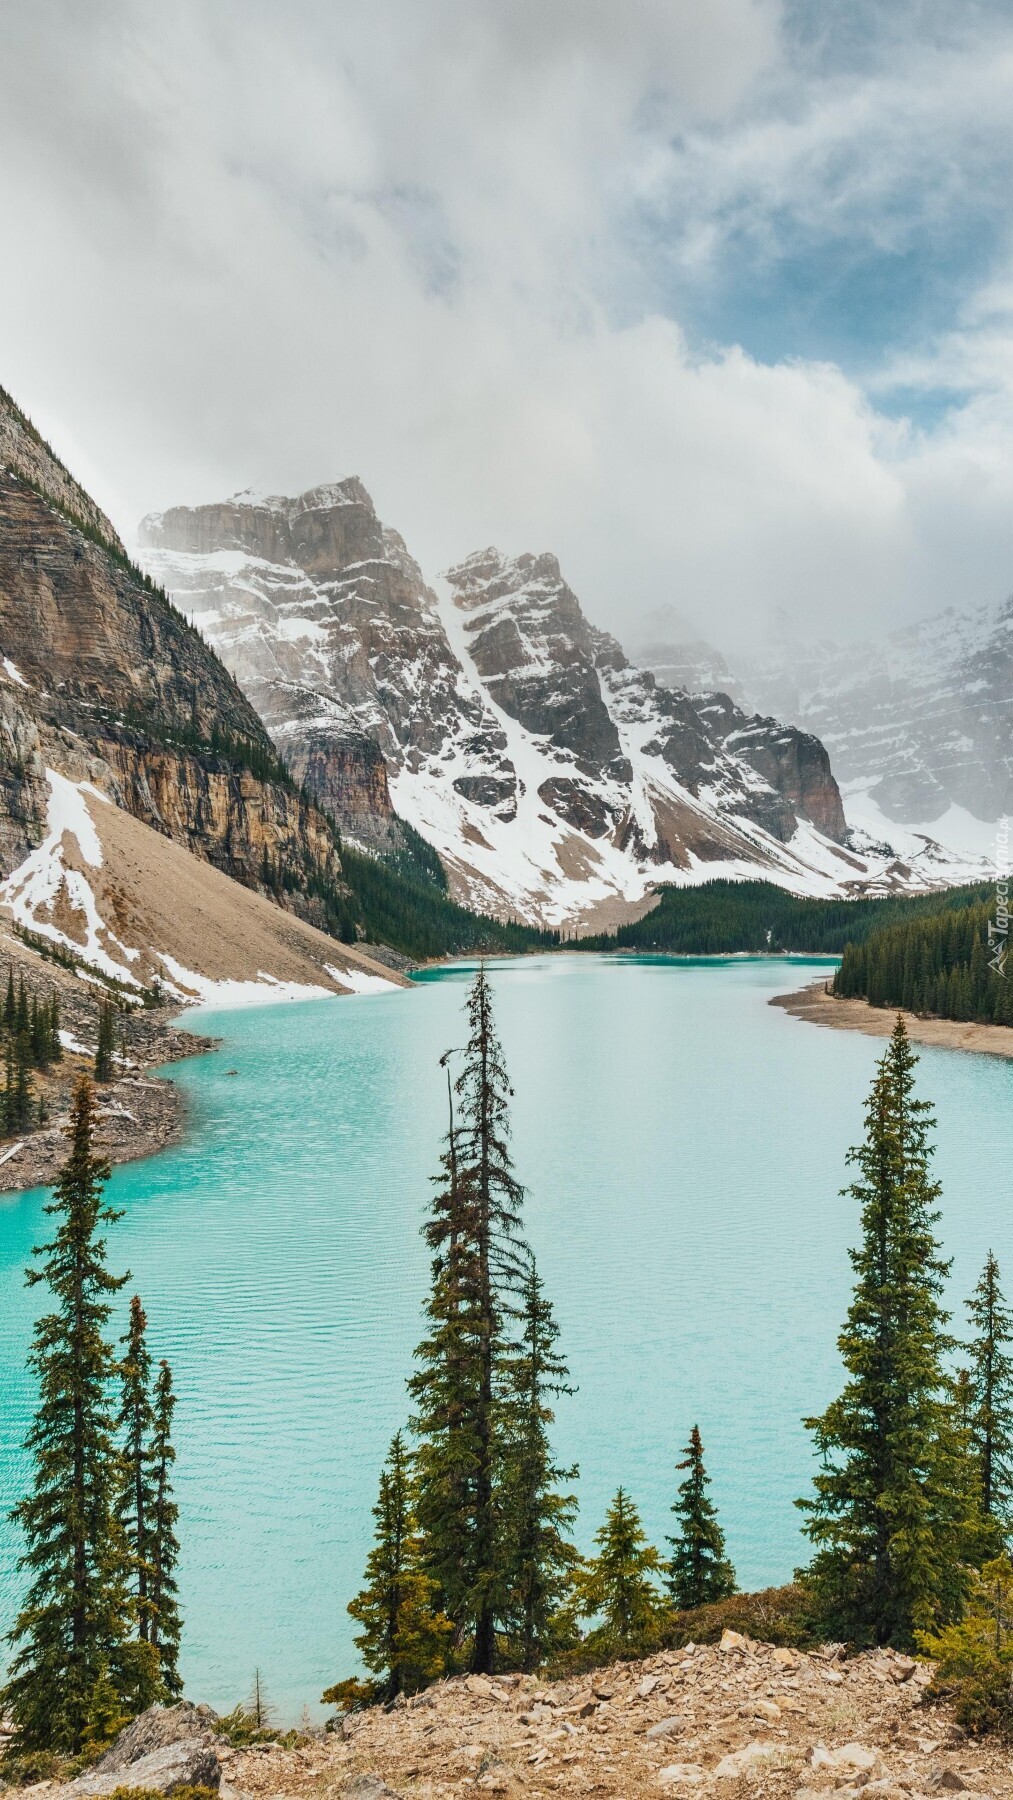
point(280, 244)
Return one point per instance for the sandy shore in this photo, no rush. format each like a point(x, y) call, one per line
point(815, 1005)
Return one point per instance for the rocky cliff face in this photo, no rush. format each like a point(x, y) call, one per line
point(102, 679)
point(920, 720)
point(553, 777)
point(545, 666)
point(328, 624)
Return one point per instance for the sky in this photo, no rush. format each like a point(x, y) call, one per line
point(715, 301)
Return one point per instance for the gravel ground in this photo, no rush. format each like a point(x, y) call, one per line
point(735, 1720)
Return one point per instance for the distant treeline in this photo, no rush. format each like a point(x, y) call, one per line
point(403, 901)
point(946, 964)
point(721, 918)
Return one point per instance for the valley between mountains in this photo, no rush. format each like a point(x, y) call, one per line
point(277, 759)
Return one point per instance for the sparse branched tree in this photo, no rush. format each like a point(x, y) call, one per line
point(992, 1384)
point(404, 1638)
point(895, 1509)
point(259, 1710)
point(698, 1570)
point(75, 1673)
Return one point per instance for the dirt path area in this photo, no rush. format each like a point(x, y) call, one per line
point(818, 1007)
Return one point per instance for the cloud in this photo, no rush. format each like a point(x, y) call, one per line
point(435, 246)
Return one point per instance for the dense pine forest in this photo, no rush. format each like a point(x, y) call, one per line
point(947, 965)
point(403, 901)
point(721, 918)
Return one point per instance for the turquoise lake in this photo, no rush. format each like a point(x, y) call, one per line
point(682, 1144)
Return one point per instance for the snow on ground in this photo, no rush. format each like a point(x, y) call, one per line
point(535, 863)
point(967, 844)
point(13, 673)
point(33, 889)
point(360, 981)
point(226, 996)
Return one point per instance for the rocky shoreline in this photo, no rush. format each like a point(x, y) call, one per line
point(817, 1006)
point(137, 1115)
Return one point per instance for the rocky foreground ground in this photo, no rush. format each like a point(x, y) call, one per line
point(735, 1721)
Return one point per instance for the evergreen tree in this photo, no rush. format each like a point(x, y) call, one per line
point(55, 1046)
point(22, 1017)
point(8, 1107)
point(462, 1413)
point(22, 1101)
point(404, 1639)
point(163, 1545)
point(699, 1571)
point(10, 1004)
point(137, 1498)
point(992, 1384)
point(74, 1665)
point(617, 1585)
point(540, 1560)
point(895, 1508)
point(106, 1042)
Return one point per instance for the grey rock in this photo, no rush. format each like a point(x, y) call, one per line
point(156, 1728)
point(367, 1787)
point(190, 1762)
point(668, 1727)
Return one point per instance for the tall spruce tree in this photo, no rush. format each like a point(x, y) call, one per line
point(137, 1495)
point(992, 1385)
point(462, 1411)
point(165, 1626)
point(895, 1507)
point(75, 1673)
point(618, 1585)
point(540, 1560)
point(10, 1004)
point(698, 1570)
point(404, 1638)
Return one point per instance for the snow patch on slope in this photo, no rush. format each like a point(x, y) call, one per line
point(35, 889)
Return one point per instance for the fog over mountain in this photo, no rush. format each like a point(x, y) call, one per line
point(714, 303)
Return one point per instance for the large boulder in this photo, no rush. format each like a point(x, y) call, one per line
point(154, 1729)
point(165, 1748)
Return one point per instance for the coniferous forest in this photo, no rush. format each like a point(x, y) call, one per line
point(474, 1566)
point(725, 918)
point(950, 964)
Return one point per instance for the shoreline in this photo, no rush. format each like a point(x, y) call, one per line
point(815, 1006)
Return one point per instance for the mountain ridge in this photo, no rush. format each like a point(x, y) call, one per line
point(344, 645)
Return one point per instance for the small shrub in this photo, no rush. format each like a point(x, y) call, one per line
point(23, 1768)
point(351, 1695)
point(782, 1615)
point(974, 1659)
point(239, 1727)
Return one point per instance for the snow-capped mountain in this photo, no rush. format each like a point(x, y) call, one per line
point(917, 724)
point(557, 782)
